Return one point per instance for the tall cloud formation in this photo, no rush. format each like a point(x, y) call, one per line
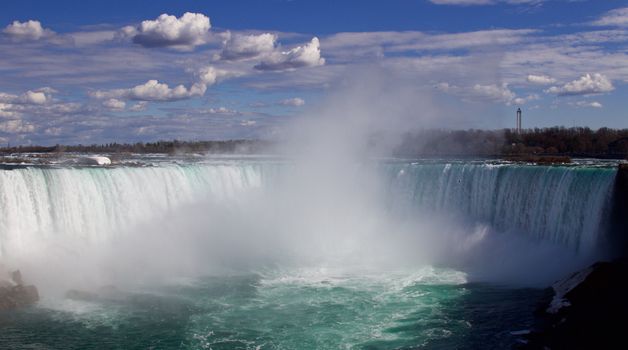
point(152, 90)
point(29, 30)
point(184, 33)
point(587, 84)
point(308, 55)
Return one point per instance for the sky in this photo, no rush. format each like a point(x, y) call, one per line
point(75, 71)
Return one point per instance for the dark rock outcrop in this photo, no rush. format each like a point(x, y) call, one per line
point(14, 294)
point(618, 238)
point(588, 310)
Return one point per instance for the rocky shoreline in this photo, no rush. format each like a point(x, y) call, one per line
point(587, 310)
point(15, 294)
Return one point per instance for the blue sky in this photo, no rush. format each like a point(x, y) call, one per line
point(104, 71)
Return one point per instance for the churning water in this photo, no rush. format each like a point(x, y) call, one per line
point(266, 254)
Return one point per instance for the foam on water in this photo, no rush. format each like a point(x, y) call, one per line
point(329, 308)
point(335, 276)
point(75, 214)
point(284, 310)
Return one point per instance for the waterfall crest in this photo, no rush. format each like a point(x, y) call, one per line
point(560, 204)
point(564, 205)
point(92, 203)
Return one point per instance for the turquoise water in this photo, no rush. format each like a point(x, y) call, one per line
point(291, 238)
point(305, 309)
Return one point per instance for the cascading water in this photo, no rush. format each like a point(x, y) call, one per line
point(559, 204)
point(93, 203)
point(562, 205)
point(56, 224)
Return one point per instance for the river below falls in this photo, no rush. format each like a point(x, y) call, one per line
point(419, 254)
point(431, 308)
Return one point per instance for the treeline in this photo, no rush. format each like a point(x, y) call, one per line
point(574, 142)
point(164, 147)
point(570, 141)
point(558, 141)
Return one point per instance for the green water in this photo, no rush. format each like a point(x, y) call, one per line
point(283, 309)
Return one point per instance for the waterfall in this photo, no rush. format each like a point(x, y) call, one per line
point(92, 203)
point(568, 205)
point(560, 204)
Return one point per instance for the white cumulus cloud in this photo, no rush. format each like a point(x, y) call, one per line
point(308, 55)
point(29, 30)
point(30, 97)
point(185, 32)
point(585, 85)
point(152, 90)
point(210, 75)
point(494, 92)
point(240, 46)
point(35, 97)
point(114, 104)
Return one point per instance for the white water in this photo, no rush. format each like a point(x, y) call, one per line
point(564, 205)
point(91, 204)
point(83, 221)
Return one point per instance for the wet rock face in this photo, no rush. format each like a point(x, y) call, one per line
point(589, 314)
point(618, 240)
point(14, 294)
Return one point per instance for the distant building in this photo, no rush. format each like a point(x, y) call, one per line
point(518, 128)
